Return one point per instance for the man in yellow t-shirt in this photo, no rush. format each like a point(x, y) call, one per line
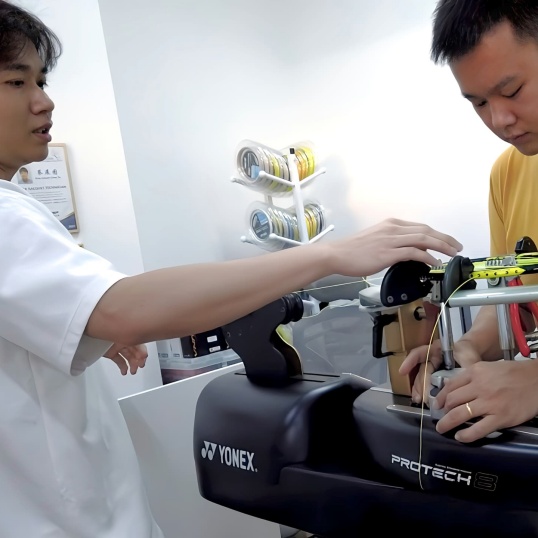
point(492, 50)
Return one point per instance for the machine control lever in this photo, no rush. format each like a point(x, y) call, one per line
point(267, 358)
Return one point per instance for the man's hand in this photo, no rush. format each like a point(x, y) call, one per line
point(415, 365)
point(389, 242)
point(423, 360)
point(501, 394)
point(128, 357)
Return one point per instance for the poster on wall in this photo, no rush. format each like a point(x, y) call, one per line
point(49, 181)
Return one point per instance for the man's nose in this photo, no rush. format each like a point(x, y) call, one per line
point(502, 116)
point(42, 102)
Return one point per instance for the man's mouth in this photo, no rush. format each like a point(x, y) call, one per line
point(44, 129)
point(515, 138)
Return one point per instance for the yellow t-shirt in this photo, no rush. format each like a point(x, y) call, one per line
point(513, 203)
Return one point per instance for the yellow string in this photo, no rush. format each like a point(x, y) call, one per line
point(424, 381)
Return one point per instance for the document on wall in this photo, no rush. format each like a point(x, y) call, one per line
point(49, 181)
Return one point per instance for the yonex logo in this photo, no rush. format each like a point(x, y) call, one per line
point(208, 451)
point(232, 457)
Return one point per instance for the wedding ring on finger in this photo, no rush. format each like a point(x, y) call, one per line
point(469, 409)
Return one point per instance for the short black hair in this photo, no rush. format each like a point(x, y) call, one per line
point(459, 25)
point(19, 27)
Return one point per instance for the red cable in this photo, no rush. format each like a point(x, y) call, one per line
point(517, 328)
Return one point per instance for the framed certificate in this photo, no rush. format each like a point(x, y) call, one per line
point(49, 181)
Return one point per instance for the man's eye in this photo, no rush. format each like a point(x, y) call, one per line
point(480, 104)
point(42, 84)
point(515, 93)
point(16, 83)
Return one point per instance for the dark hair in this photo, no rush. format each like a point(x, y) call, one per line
point(17, 28)
point(459, 25)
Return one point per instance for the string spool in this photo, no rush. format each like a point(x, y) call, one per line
point(266, 219)
point(254, 158)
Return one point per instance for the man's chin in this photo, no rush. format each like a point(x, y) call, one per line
point(527, 149)
point(38, 155)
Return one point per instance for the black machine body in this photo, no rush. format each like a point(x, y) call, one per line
point(335, 454)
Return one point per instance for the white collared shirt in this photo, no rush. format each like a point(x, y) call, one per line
point(67, 464)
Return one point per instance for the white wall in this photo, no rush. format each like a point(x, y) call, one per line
point(86, 120)
point(193, 79)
